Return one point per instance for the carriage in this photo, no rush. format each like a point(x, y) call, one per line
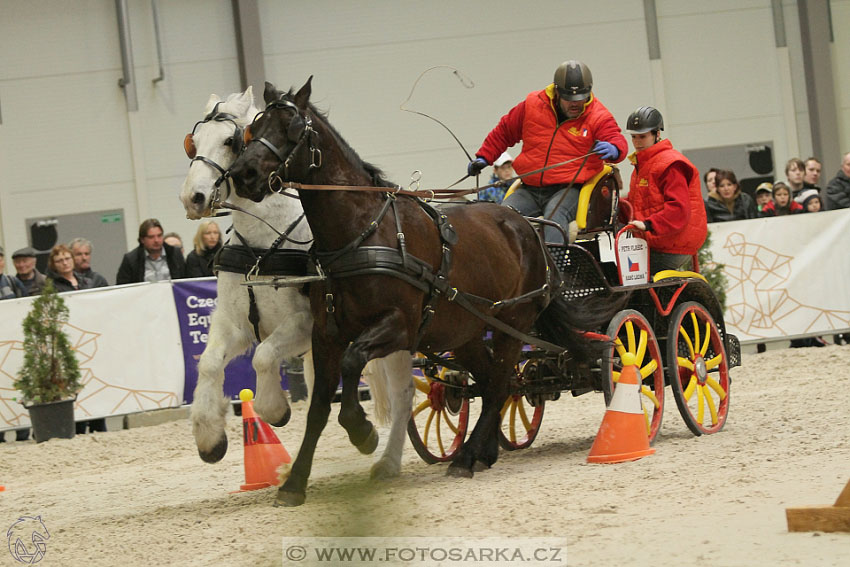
point(673, 325)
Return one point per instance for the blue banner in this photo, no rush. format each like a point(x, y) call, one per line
point(195, 301)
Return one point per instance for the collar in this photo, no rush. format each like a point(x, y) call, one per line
point(550, 93)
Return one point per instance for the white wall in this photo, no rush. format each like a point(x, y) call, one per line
point(67, 143)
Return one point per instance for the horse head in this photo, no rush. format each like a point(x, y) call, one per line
point(212, 146)
point(287, 144)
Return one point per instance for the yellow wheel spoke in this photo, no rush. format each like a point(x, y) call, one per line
point(630, 334)
point(649, 369)
point(524, 416)
point(714, 362)
point(618, 344)
point(650, 395)
point(700, 405)
point(422, 385)
point(721, 393)
point(709, 401)
point(512, 423)
point(695, 324)
point(439, 435)
point(615, 376)
point(707, 337)
point(505, 407)
point(689, 391)
point(427, 428)
point(422, 405)
point(641, 349)
point(684, 334)
point(685, 363)
point(646, 420)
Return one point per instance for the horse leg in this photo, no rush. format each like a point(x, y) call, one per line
point(286, 341)
point(396, 371)
point(380, 340)
point(492, 373)
point(326, 357)
point(209, 406)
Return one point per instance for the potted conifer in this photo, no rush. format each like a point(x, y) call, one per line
point(49, 378)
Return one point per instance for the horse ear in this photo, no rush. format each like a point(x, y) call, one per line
point(270, 93)
point(303, 94)
point(211, 102)
point(249, 95)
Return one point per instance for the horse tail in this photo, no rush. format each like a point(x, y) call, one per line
point(563, 321)
point(376, 377)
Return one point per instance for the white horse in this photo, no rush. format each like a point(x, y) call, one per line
point(285, 323)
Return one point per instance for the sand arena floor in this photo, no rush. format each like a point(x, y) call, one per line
point(143, 497)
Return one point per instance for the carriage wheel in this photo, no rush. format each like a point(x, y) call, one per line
point(438, 423)
point(521, 416)
point(632, 333)
point(698, 369)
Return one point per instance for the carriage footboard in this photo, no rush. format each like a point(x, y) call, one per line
point(733, 351)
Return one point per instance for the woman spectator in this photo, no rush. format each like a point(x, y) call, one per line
point(207, 241)
point(60, 269)
point(727, 202)
point(782, 203)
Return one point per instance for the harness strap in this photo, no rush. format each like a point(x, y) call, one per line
point(253, 313)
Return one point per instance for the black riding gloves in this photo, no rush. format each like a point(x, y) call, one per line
point(475, 166)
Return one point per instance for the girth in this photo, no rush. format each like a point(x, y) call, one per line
point(280, 262)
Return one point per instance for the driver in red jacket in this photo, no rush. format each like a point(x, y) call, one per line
point(563, 121)
point(665, 195)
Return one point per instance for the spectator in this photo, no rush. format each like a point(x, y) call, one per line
point(764, 195)
point(502, 171)
point(564, 121)
point(795, 170)
point(665, 194)
point(709, 180)
point(810, 201)
point(207, 241)
point(32, 279)
point(728, 202)
point(10, 286)
point(782, 204)
point(173, 239)
point(838, 189)
point(152, 260)
point(811, 177)
point(82, 249)
point(60, 269)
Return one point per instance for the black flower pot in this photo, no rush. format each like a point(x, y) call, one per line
point(53, 419)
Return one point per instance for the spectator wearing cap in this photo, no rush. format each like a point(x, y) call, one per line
point(782, 204)
point(10, 286)
point(502, 171)
point(152, 260)
point(810, 201)
point(764, 195)
point(837, 194)
point(32, 279)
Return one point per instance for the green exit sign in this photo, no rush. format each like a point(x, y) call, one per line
point(114, 217)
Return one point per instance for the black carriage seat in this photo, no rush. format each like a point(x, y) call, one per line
point(598, 202)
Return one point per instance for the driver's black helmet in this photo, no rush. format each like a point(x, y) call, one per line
point(644, 119)
point(573, 80)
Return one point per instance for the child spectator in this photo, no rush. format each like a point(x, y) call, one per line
point(764, 195)
point(810, 201)
point(782, 204)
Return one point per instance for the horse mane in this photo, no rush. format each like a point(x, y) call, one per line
point(375, 173)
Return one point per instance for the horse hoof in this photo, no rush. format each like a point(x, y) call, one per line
point(368, 446)
point(215, 454)
point(383, 470)
point(458, 471)
point(289, 499)
point(285, 419)
point(480, 466)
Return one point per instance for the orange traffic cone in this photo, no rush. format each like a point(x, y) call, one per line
point(264, 452)
point(622, 435)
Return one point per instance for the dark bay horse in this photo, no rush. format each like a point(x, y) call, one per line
point(403, 276)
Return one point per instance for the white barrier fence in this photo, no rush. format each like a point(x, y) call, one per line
point(788, 276)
